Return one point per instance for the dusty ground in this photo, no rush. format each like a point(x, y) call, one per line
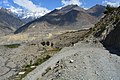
point(88, 58)
point(90, 62)
point(69, 38)
point(12, 59)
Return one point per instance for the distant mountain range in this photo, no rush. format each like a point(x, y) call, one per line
point(8, 22)
point(68, 17)
point(28, 16)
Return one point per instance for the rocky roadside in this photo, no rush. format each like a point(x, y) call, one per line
point(80, 62)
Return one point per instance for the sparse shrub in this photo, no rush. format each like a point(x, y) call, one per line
point(27, 66)
point(72, 43)
point(47, 43)
point(47, 57)
point(33, 44)
point(41, 60)
point(30, 62)
point(52, 44)
point(90, 29)
point(12, 45)
point(87, 41)
point(43, 43)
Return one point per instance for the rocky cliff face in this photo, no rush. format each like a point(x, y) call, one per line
point(108, 29)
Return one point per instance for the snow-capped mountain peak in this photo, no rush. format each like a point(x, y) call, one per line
point(27, 15)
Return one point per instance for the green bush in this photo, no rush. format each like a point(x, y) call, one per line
point(12, 45)
point(52, 44)
point(41, 60)
point(43, 43)
point(47, 43)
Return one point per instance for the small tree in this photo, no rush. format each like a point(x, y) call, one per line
point(43, 43)
point(47, 43)
point(52, 44)
point(30, 62)
point(72, 43)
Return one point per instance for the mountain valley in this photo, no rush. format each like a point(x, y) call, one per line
point(66, 44)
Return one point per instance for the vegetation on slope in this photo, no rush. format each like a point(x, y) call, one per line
point(32, 65)
point(12, 45)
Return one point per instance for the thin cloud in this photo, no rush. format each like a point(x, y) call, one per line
point(5, 2)
point(69, 2)
point(29, 5)
point(114, 3)
point(15, 10)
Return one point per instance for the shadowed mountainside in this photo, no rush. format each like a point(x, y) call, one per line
point(69, 17)
point(8, 22)
point(97, 11)
point(108, 29)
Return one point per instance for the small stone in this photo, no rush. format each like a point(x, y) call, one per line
point(85, 67)
point(32, 66)
point(83, 62)
point(76, 54)
point(75, 66)
point(20, 73)
point(14, 69)
point(59, 72)
point(89, 56)
point(58, 62)
point(57, 65)
point(71, 61)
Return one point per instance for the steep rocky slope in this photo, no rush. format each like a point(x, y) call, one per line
point(5, 30)
point(69, 17)
point(108, 29)
point(8, 21)
point(97, 11)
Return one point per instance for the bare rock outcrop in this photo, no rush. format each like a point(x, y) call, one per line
point(108, 28)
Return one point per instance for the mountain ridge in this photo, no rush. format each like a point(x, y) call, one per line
point(8, 21)
point(97, 10)
point(59, 19)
